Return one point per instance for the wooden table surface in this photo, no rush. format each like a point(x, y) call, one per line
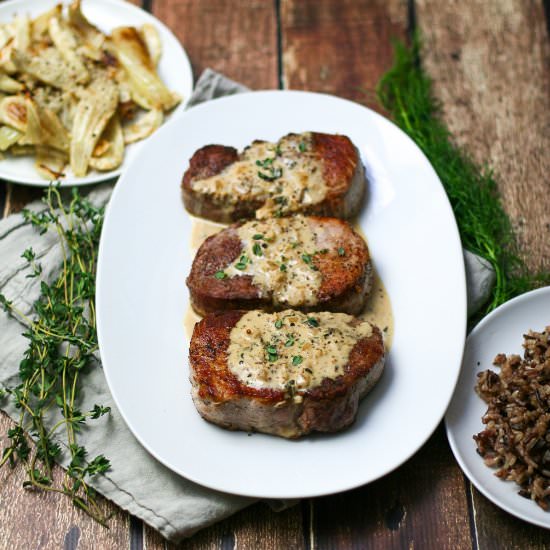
point(490, 61)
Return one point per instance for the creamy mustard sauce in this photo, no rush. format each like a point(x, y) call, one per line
point(278, 254)
point(202, 229)
point(286, 175)
point(378, 309)
point(190, 320)
point(290, 350)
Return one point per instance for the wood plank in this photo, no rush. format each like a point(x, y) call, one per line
point(343, 48)
point(497, 529)
point(255, 527)
point(49, 521)
point(421, 502)
point(237, 38)
point(18, 196)
point(340, 48)
point(490, 64)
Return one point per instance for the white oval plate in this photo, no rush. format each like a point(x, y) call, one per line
point(142, 298)
point(174, 69)
point(500, 332)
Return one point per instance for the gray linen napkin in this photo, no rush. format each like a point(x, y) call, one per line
point(174, 506)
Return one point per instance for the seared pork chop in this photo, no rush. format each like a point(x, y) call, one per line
point(310, 173)
point(285, 373)
point(307, 263)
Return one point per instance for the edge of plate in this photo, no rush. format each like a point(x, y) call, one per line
point(527, 296)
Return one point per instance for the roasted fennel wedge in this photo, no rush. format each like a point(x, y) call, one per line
point(72, 95)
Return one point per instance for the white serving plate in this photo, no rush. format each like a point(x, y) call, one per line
point(500, 332)
point(145, 257)
point(174, 69)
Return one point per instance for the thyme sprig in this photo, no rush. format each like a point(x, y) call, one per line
point(61, 333)
point(405, 91)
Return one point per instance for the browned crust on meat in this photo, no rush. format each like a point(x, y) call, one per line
point(221, 398)
point(207, 162)
point(346, 280)
point(342, 168)
point(344, 176)
point(209, 294)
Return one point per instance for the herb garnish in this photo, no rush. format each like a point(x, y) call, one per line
point(266, 163)
point(272, 353)
point(405, 91)
point(220, 274)
point(272, 174)
point(312, 322)
point(341, 252)
point(241, 264)
point(30, 256)
point(257, 249)
point(302, 147)
point(257, 236)
point(278, 323)
point(297, 360)
point(61, 341)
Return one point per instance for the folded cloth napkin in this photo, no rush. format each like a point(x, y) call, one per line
point(137, 482)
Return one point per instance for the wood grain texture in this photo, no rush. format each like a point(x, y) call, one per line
point(237, 38)
point(421, 505)
point(49, 521)
point(490, 63)
point(18, 196)
point(496, 529)
point(255, 527)
point(340, 48)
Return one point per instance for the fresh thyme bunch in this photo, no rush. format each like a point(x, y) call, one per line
point(405, 91)
point(62, 338)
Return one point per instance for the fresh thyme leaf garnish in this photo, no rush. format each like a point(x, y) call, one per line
point(241, 264)
point(271, 173)
point(30, 256)
point(61, 341)
point(297, 360)
point(272, 354)
point(290, 341)
point(220, 274)
point(257, 249)
point(405, 91)
point(312, 322)
point(266, 163)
